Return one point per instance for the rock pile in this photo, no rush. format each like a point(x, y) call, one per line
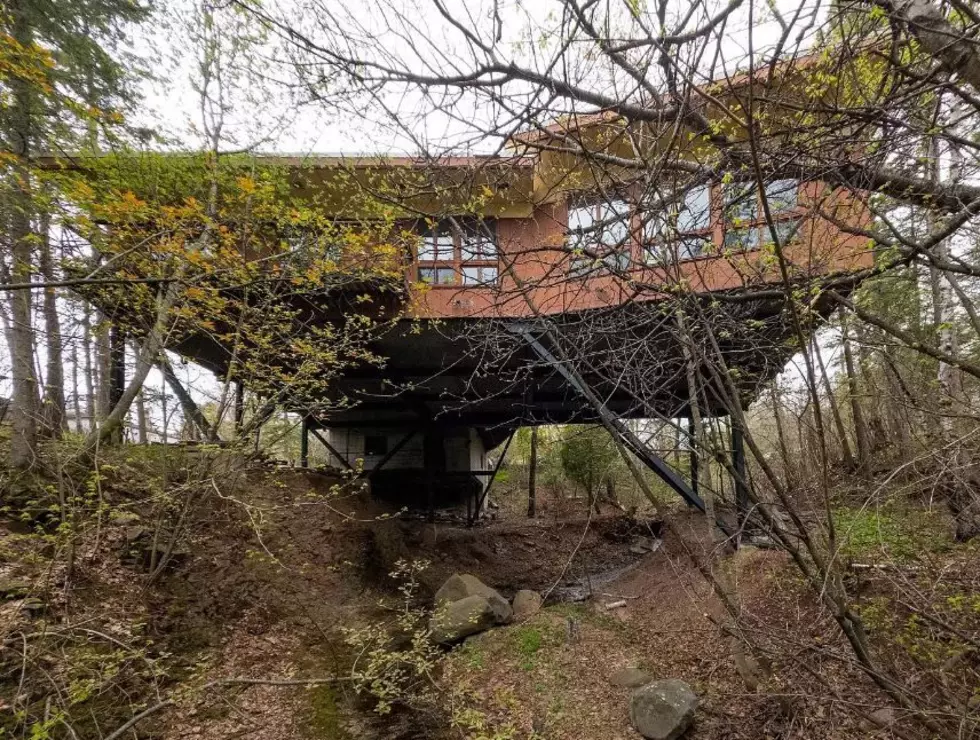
point(465, 606)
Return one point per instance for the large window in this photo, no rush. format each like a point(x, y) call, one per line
point(745, 222)
point(601, 228)
point(458, 252)
point(680, 229)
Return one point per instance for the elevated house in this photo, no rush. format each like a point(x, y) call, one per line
point(541, 287)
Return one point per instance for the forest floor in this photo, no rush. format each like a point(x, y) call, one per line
point(266, 590)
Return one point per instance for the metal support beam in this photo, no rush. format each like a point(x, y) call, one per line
point(695, 471)
point(612, 422)
point(472, 516)
point(239, 406)
point(330, 448)
point(742, 504)
point(304, 444)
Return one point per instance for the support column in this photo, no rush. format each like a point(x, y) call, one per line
point(304, 444)
point(738, 463)
point(239, 406)
point(117, 373)
point(695, 471)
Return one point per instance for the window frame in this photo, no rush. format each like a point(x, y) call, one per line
point(668, 237)
point(609, 213)
point(789, 212)
point(460, 254)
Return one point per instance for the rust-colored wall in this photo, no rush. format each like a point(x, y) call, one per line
point(532, 251)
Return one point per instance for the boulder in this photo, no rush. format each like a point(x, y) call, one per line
point(640, 545)
point(459, 587)
point(526, 604)
point(456, 620)
point(663, 710)
point(630, 677)
point(14, 588)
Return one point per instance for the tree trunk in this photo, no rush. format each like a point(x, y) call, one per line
point(54, 377)
point(193, 414)
point(532, 476)
point(150, 350)
point(76, 401)
point(91, 381)
point(102, 365)
point(24, 401)
point(143, 436)
point(845, 444)
point(853, 396)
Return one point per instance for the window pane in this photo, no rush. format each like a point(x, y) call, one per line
point(580, 266)
point(788, 231)
point(619, 260)
point(695, 213)
point(445, 276)
point(479, 275)
point(427, 275)
point(581, 220)
point(437, 244)
point(742, 238)
point(615, 217)
point(782, 195)
point(740, 203)
point(427, 250)
point(657, 225)
point(690, 247)
point(655, 254)
point(479, 242)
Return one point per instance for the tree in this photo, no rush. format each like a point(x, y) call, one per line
point(587, 455)
point(59, 79)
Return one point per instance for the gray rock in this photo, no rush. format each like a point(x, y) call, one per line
point(526, 604)
point(884, 717)
point(663, 710)
point(459, 619)
point(630, 677)
point(642, 545)
point(459, 587)
point(14, 589)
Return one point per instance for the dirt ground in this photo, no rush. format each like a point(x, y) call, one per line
point(267, 589)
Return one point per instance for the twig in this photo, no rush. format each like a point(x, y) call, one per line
point(137, 718)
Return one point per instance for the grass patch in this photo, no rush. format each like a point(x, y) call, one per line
point(890, 534)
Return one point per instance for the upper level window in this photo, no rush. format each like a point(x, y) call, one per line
point(458, 252)
point(745, 221)
point(680, 229)
point(601, 228)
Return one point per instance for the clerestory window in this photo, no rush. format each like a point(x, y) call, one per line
point(458, 251)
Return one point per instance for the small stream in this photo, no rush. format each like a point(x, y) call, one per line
point(591, 583)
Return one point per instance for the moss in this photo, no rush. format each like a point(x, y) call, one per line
point(325, 721)
point(890, 532)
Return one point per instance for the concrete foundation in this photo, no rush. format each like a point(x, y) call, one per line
point(434, 467)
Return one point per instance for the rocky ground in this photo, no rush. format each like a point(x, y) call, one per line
point(266, 591)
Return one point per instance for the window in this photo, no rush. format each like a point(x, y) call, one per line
point(375, 445)
point(745, 222)
point(679, 230)
point(458, 251)
point(602, 228)
point(438, 275)
point(603, 223)
point(781, 195)
point(479, 275)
